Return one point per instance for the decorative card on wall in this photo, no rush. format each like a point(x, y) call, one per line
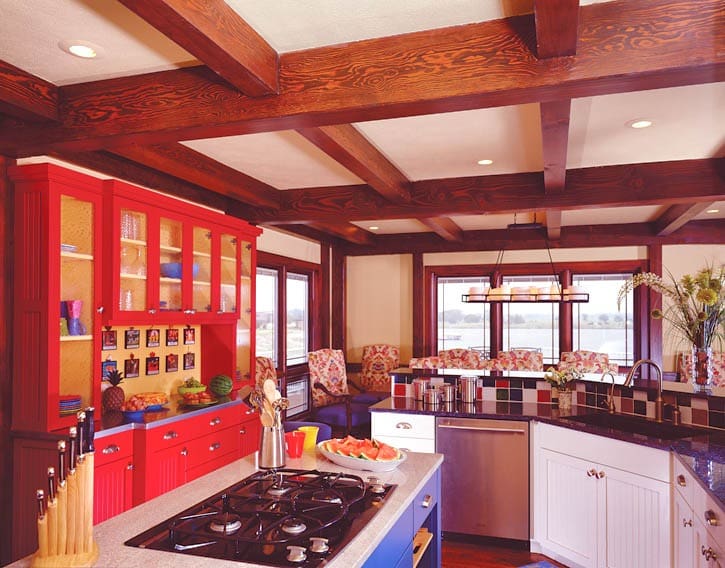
point(189, 336)
point(108, 339)
point(153, 338)
point(152, 365)
point(107, 366)
point(172, 337)
point(189, 360)
point(133, 339)
point(172, 362)
point(131, 367)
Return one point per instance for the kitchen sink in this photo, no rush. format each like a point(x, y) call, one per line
point(636, 425)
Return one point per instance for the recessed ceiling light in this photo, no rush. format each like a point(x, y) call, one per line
point(484, 162)
point(81, 48)
point(373, 227)
point(639, 123)
point(712, 211)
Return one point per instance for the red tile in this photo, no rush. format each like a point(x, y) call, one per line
point(399, 390)
point(699, 416)
point(502, 384)
point(627, 405)
point(543, 395)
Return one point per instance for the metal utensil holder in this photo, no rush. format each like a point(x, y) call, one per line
point(272, 448)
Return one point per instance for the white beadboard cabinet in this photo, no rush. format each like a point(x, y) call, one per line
point(600, 503)
point(412, 432)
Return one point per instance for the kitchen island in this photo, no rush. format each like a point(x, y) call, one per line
point(410, 478)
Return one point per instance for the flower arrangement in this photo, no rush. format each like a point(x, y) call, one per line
point(563, 378)
point(696, 304)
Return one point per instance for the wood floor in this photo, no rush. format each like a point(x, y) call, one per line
point(467, 555)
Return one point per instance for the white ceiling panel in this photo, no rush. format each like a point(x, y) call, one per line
point(130, 45)
point(607, 215)
point(450, 145)
point(685, 126)
point(392, 226)
point(284, 160)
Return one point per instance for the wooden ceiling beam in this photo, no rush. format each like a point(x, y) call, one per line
point(582, 236)
point(444, 227)
point(479, 65)
point(182, 162)
point(345, 144)
point(26, 96)
point(669, 183)
point(557, 26)
point(676, 216)
point(216, 35)
point(121, 168)
point(553, 225)
point(346, 232)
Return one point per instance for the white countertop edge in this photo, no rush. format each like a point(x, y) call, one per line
point(110, 535)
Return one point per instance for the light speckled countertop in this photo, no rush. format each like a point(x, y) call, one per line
point(410, 477)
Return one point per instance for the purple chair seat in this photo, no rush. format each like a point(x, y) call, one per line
point(369, 397)
point(334, 414)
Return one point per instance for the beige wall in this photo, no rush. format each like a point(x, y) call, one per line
point(290, 246)
point(379, 303)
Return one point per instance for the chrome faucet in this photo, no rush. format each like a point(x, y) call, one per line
point(659, 403)
point(611, 407)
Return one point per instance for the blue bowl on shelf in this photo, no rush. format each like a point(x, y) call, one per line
point(174, 270)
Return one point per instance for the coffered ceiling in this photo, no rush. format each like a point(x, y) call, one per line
point(328, 117)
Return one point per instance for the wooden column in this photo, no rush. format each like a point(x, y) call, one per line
point(651, 346)
point(339, 296)
point(323, 335)
point(418, 298)
point(566, 341)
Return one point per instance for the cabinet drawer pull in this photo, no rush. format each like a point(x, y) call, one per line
point(152, 311)
point(600, 474)
point(100, 309)
point(681, 481)
point(214, 447)
point(404, 426)
point(130, 467)
point(242, 430)
point(215, 421)
point(112, 449)
point(170, 435)
point(686, 522)
point(708, 553)
point(711, 518)
point(427, 500)
point(184, 452)
point(591, 472)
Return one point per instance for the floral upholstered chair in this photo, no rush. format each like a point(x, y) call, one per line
point(377, 362)
point(519, 360)
point(684, 364)
point(460, 358)
point(587, 362)
point(332, 401)
point(431, 362)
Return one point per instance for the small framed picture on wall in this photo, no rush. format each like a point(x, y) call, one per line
point(107, 366)
point(152, 365)
point(189, 336)
point(133, 339)
point(153, 338)
point(109, 340)
point(189, 361)
point(131, 368)
point(172, 363)
point(172, 337)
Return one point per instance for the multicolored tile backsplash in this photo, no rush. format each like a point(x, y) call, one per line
point(694, 409)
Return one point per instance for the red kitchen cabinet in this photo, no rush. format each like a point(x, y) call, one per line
point(57, 259)
point(113, 476)
point(249, 432)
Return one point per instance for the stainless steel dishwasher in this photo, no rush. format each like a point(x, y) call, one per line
point(485, 477)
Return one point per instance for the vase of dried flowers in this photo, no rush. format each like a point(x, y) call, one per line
point(696, 308)
point(562, 385)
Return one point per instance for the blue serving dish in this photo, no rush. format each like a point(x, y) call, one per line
point(174, 270)
point(134, 415)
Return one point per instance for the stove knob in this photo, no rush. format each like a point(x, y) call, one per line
point(318, 544)
point(296, 553)
point(376, 486)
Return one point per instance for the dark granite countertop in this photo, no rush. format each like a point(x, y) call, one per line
point(703, 453)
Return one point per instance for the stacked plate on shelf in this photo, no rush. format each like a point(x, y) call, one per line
point(70, 404)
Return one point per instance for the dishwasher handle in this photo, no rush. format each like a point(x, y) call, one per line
point(483, 429)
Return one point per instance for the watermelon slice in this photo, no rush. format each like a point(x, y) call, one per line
point(387, 453)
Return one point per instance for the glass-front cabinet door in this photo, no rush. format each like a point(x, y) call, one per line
point(202, 270)
point(245, 326)
point(228, 274)
point(133, 261)
point(171, 266)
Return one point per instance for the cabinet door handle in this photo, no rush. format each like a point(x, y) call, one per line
point(600, 474)
point(219, 312)
point(242, 431)
point(686, 522)
point(708, 553)
point(170, 435)
point(152, 311)
point(214, 447)
point(404, 426)
point(130, 467)
point(112, 449)
point(427, 500)
point(681, 481)
point(215, 421)
point(711, 518)
point(591, 472)
point(100, 309)
point(184, 452)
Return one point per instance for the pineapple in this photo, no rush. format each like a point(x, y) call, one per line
point(114, 396)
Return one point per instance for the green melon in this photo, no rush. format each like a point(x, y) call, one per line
point(221, 385)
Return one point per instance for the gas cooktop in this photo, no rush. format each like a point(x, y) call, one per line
point(283, 517)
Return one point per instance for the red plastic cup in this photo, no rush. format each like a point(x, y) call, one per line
point(295, 441)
